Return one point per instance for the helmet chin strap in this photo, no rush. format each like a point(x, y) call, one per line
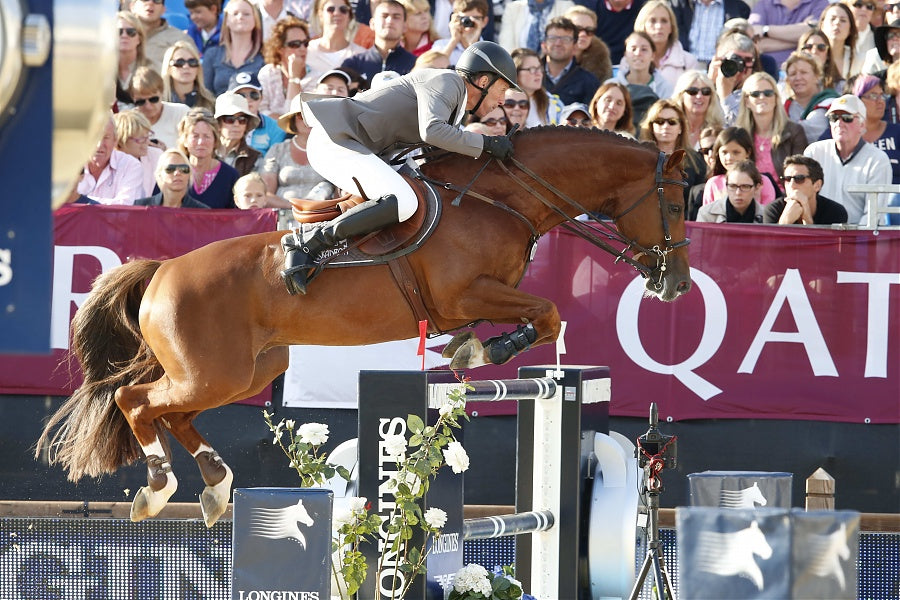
point(483, 90)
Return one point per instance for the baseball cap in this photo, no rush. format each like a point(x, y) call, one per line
point(342, 74)
point(848, 103)
point(243, 80)
point(573, 108)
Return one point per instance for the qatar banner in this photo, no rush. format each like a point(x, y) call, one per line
point(781, 323)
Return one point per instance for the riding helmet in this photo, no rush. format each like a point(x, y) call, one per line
point(485, 56)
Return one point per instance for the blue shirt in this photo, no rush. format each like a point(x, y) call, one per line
point(267, 134)
point(194, 33)
point(705, 29)
point(217, 72)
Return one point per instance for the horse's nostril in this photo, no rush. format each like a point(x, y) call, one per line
point(684, 286)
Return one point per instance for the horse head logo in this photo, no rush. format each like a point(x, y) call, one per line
point(827, 552)
point(750, 497)
point(727, 554)
point(281, 523)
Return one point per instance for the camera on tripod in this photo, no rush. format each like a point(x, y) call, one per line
point(655, 444)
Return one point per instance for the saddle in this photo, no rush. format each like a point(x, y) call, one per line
point(384, 241)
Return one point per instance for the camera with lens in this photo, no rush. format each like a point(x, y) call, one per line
point(655, 444)
point(732, 65)
point(467, 21)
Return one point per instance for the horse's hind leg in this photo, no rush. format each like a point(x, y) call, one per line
point(134, 403)
point(216, 474)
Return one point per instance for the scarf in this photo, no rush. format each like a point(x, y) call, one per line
point(539, 10)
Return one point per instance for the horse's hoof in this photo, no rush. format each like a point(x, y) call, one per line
point(470, 355)
point(458, 340)
point(146, 504)
point(214, 500)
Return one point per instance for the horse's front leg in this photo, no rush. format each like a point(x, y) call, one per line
point(495, 301)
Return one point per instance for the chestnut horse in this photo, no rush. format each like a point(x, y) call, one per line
point(161, 341)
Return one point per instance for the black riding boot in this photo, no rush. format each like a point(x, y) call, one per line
point(362, 219)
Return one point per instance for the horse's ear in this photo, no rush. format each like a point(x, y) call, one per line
point(674, 161)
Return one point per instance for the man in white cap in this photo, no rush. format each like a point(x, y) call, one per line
point(848, 159)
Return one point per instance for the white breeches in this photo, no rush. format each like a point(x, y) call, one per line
point(340, 165)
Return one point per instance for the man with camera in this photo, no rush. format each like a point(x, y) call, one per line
point(735, 59)
point(466, 23)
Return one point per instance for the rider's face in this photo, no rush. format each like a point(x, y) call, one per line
point(495, 96)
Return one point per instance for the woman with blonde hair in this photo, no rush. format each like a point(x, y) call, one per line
point(133, 137)
point(420, 32)
point(198, 140)
point(545, 107)
point(132, 42)
point(286, 73)
point(695, 94)
point(239, 46)
point(173, 175)
point(762, 114)
point(666, 126)
point(611, 108)
point(335, 44)
point(807, 99)
point(183, 77)
point(657, 20)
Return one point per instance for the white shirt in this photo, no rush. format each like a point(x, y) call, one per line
point(870, 165)
point(166, 128)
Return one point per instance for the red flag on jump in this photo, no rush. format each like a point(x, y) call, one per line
point(423, 330)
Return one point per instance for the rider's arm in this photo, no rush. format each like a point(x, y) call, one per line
point(439, 101)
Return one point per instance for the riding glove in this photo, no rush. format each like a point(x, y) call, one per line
point(498, 145)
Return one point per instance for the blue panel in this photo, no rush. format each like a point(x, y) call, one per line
point(25, 217)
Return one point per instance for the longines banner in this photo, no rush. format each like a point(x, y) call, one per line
point(782, 322)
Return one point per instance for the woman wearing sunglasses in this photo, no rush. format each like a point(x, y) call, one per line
point(815, 43)
point(838, 24)
point(235, 120)
point(863, 11)
point(147, 92)
point(239, 47)
point(742, 202)
point(334, 46)
point(665, 125)
point(285, 74)
point(775, 137)
point(887, 43)
point(696, 95)
point(183, 77)
point(517, 105)
point(132, 41)
point(173, 177)
point(494, 123)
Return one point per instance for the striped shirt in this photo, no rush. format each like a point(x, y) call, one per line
point(705, 29)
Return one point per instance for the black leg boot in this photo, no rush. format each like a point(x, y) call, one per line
point(360, 220)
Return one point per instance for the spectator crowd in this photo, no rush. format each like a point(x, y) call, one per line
point(779, 105)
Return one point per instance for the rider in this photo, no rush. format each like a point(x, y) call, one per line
point(350, 134)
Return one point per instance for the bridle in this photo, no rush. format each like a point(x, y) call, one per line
point(599, 233)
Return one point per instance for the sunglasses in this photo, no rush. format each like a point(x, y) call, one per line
point(758, 93)
point(143, 101)
point(845, 118)
point(866, 5)
point(232, 119)
point(251, 95)
point(794, 178)
point(693, 91)
point(893, 35)
point(811, 47)
point(343, 9)
point(515, 103)
point(294, 44)
point(585, 122)
point(155, 1)
point(181, 168)
point(491, 122)
point(744, 187)
point(585, 30)
point(894, 6)
point(705, 151)
point(661, 122)
point(129, 31)
point(185, 62)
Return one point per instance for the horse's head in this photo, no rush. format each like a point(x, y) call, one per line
point(299, 514)
point(653, 224)
point(756, 541)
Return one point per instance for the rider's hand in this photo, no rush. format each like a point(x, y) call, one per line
point(498, 145)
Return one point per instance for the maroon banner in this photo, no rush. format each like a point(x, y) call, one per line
point(782, 322)
point(90, 239)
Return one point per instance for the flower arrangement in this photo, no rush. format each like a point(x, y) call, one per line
point(474, 582)
point(417, 460)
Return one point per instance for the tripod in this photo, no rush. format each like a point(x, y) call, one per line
point(654, 557)
point(655, 451)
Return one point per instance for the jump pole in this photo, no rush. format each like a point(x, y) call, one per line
point(558, 414)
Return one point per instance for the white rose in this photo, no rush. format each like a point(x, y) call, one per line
point(289, 423)
point(470, 578)
point(357, 504)
point(315, 434)
point(435, 517)
point(456, 457)
point(395, 446)
point(341, 517)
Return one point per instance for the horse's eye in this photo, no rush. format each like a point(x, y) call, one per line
point(675, 209)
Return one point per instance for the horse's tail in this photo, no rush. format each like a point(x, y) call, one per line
point(88, 435)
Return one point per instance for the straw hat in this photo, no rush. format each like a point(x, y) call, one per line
point(229, 105)
point(286, 121)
